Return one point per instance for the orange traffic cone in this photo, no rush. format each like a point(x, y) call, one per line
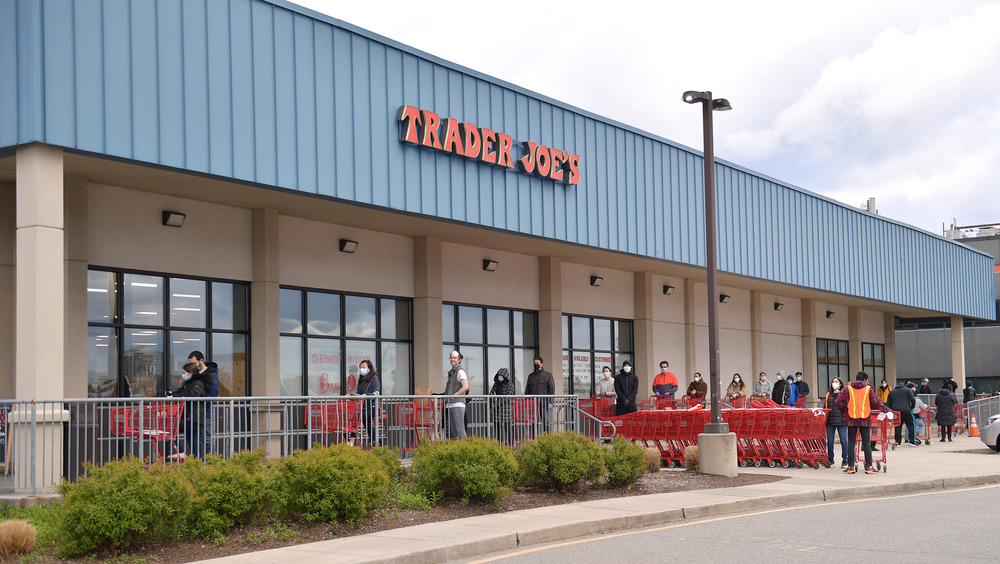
point(973, 428)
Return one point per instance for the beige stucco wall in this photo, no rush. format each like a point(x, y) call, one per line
point(513, 284)
point(872, 326)
point(835, 328)
point(781, 335)
point(214, 242)
point(613, 298)
point(6, 290)
point(309, 256)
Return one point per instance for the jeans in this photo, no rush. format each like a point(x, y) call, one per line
point(907, 417)
point(456, 422)
point(193, 437)
point(866, 437)
point(840, 430)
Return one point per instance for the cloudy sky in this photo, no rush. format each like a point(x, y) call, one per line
point(893, 99)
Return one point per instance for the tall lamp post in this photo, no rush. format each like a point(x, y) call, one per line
point(708, 105)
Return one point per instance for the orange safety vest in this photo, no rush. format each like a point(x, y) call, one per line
point(858, 406)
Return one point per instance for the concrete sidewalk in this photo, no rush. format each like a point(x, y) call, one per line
point(934, 467)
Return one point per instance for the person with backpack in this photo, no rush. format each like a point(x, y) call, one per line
point(856, 402)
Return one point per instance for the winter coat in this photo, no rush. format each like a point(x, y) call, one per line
point(762, 388)
point(900, 399)
point(503, 409)
point(845, 398)
point(968, 394)
point(793, 392)
point(945, 402)
point(626, 387)
point(193, 388)
point(697, 389)
point(736, 390)
point(883, 393)
point(836, 417)
point(802, 389)
point(540, 383)
point(780, 392)
point(211, 377)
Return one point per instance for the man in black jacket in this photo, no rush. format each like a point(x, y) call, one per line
point(901, 399)
point(209, 372)
point(541, 383)
point(780, 392)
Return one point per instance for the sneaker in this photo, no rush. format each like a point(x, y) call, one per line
point(949, 439)
point(869, 470)
point(843, 464)
point(850, 470)
point(913, 444)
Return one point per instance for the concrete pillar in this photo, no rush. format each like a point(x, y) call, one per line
point(717, 454)
point(265, 301)
point(890, 347)
point(75, 213)
point(757, 338)
point(690, 335)
point(809, 366)
point(958, 350)
point(41, 274)
point(7, 206)
point(550, 317)
point(855, 362)
point(428, 360)
point(645, 363)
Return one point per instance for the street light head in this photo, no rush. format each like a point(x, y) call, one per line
point(721, 105)
point(694, 97)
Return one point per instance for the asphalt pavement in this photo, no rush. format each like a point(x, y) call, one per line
point(939, 466)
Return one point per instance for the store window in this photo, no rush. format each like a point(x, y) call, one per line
point(590, 344)
point(142, 327)
point(326, 335)
point(831, 362)
point(873, 361)
point(489, 339)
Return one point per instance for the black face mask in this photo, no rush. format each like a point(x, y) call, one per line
point(538, 366)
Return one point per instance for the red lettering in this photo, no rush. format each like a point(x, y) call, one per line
point(543, 160)
point(503, 153)
point(473, 143)
point(558, 158)
point(527, 162)
point(429, 137)
point(452, 142)
point(410, 117)
point(488, 155)
point(574, 169)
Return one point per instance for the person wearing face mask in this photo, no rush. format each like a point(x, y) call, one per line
point(369, 385)
point(801, 389)
point(503, 385)
point(762, 387)
point(780, 392)
point(665, 382)
point(626, 387)
point(737, 391)
point(884, 390)
point(456, 385)
point(793, 390)
point(606, 385)
point(697, 390)
point(835, 423)
point(541, 383)
point(193, 385)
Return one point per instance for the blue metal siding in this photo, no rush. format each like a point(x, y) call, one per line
point(262, 91)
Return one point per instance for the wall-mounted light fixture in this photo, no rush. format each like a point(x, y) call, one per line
point(668, 290)
point(724, 298)
point(778, 306)
point(173, 219)
point(830, 314)
point(596, 280)
point(490, 265)
point(348, 246)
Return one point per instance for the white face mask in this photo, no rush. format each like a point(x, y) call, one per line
point(363, 372)
point(836, 386)
point(763, 378)
point(627, 369)
point(798, 378)
point(664, 370)
point(697, 378)
point(737, 380)
point(607, 374)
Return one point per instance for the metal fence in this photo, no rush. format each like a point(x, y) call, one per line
point(44, 442)
point(983, 409)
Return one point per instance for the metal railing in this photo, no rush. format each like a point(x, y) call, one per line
point(44, 442)
point(983, 409)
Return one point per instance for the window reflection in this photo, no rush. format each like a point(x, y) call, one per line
point(101, 296)
point(143, 299)
point(291, 366)
point(359, 316)
point(182, 344)
point(356, 352)
point(229, 306)
point(229, 350)
point(290, 308)
point(610, 344)
point(102, 362)
point(143, 363)
point(508, 336)
point(323, 367)
point(188, 302)
point(395, 369)
point(324, 314)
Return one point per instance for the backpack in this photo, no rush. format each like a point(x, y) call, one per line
point(858, 406)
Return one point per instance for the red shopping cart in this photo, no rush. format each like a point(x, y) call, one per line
point(337, 418)
point(881, 429)
point(156, 422)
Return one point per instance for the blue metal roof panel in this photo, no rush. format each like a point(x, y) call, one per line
point(267, 92)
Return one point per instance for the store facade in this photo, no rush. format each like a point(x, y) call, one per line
point(341, 197)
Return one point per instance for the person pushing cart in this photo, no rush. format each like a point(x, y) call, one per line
point(857, 401)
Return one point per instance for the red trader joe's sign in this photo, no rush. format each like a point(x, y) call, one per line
point(427, 129)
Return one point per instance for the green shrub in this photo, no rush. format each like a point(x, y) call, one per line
point(228, 492)
point(559, 461)
point(122, 505)
point(45, 519)
point(625, 461)
point(390, 459)
point(324, 484)
point(467, 469)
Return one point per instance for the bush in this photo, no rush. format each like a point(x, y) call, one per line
point(16, 537)
point(228, 492)
point(44, 518)
point(122, 505)
point(329, 483)
point(467, 469)
point(653, 460)
point(390, 460)
point(625, 461)
point(559, 461)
